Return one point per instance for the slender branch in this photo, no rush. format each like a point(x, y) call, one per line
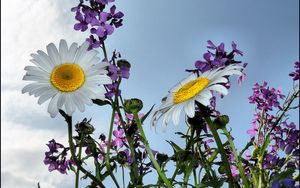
point(240, 167)
point(107, 161)
point(149, 151)
point(71, 144)
point(79, 158)
point(215, 134)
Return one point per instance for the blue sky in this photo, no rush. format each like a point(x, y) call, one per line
point(161, 39)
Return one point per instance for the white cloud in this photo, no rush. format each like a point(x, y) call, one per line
point(29, 26)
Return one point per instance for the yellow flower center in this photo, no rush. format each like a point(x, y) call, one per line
point(190, 90)
point(67, 77)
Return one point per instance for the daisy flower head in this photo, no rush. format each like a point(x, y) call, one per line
point(69, 76)
point(191, 89)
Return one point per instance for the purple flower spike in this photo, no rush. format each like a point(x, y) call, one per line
point(102, 22)
point(295, 74)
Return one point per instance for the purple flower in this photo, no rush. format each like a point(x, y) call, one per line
point(118, 141)
point(56, 157)
point(265, 98)
point(295, 74)
point(253, 131)
point(103, 29)
point(82, 25)
point(116, 17)
point(102, 23)
point(234, 49)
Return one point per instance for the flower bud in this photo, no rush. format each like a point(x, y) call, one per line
point(221, 121)
point(123, 63)
point(221, 169)
point(133, 105)
point(122, 157)
point(85, 127)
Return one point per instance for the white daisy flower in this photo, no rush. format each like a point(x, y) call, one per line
point(70, 77)
point(191, 89)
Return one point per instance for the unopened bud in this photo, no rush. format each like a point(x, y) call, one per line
point(123, 63)
point(133, 105)
point(222, 121)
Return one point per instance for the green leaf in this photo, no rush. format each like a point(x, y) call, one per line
point(147, 114)
point(101, 102)
point(175, 146)
point(213, 156)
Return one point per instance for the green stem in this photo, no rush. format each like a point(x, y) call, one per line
point(79, 158)
point(195, 177)
point(149, 151)
point(123, 178)
point(132, 151)
point(104, 50)
point(240, 167)
point(109, 145)
point(71, 144)
point(215, 134)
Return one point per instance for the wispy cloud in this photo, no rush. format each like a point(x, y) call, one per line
point(26, 127)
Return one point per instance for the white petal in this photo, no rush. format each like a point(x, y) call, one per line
point(189, 108)
point(43, 98)
point(72, 53)
point(41, 63)
point(87, 58)
point(53, 54)
point(52, 107)
point(203, 100)
point(69, 105)
point(63, 50)
point(101, 79)
point(46, 58)
point(35, 78)
point(219, 88)
point(176, 114)
point(219, 80)
point(61, 100)
point(78, 102)
point(81, 51)
point(32, 86)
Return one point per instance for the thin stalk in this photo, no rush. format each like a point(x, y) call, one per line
point(215, 134)
point(107, 163)
point(195, 177)
point(104, 51)
point(131, 147)
point(149, 151)
point(71, 145)
point(79, 158)
point(240, 167)
point(123, 178)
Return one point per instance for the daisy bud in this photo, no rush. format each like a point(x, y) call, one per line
point(221, 121)
point(122, 157)
point(133, 105)
point(85, 127)
point(123, 63)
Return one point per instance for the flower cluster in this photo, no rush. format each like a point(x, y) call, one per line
point(283, 136)
point(56, 157)
point(265, 98)
point(118, 69)
point(295, 75)
point(218, 59)
point(102, 23)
